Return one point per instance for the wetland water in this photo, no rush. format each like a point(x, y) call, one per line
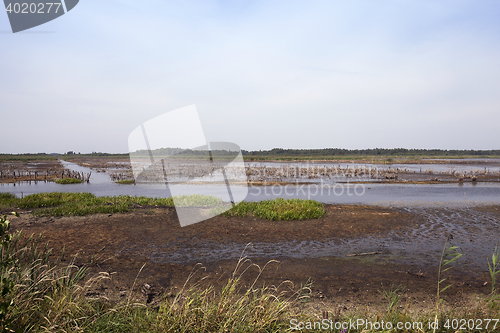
point(476, 232)
point(329, 191)
point(442, 209)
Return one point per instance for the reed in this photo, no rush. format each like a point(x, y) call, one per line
point(494, 268)
point(449, 255)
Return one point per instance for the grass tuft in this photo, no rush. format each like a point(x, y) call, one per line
point(66, 181)
point(8, 200)
point(126, 182)
point(280, 209)
point(235, 308)
point(79, 204)
point(197, 200)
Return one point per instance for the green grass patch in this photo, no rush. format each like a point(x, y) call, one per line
point(197, 200)
point(280, 209)
point(65, 181)
point(7, 198)
point(126, 182)
point(27, 157)
point(79, 204)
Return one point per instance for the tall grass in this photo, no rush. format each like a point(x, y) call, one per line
point(41, 295)
point(494, 268)
point(235, 308)
point(449, 255)
point(36, 294)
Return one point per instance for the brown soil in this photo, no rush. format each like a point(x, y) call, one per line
point(121, 168)
point(121, 243)
point(51, 168)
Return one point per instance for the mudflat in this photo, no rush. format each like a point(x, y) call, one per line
point(323, 251)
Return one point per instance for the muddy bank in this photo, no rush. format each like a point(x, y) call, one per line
point(27, 171)
point(436, 171)
point(398, 246)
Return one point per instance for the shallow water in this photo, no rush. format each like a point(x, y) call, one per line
point(472, 166)
point(387, 194)
point(444, 209)
point(475, 232)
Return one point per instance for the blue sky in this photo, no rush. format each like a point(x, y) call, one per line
point(263, 74)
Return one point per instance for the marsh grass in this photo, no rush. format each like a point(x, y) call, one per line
point(49, 297)
point(7, 200)
point(235, 308)
point(39, 296)
point(392, 296)
point(279, 209)
point(197, 200)
point(126, 182)
point(46, 298)
point(494, 270)
point(66, 181)
point(449, 255)
point(79, 204)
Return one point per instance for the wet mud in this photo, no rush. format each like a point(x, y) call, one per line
point(350, 255)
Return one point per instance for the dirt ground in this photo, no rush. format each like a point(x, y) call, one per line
point(121, 244)
point(29, 171)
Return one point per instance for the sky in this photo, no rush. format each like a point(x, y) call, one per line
point(262, 74)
